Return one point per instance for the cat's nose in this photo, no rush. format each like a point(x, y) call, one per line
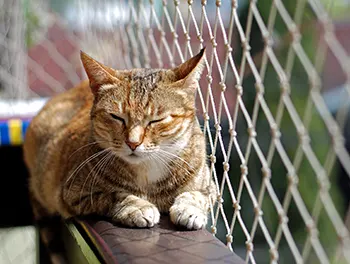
point(132, 145)
point(135, 137)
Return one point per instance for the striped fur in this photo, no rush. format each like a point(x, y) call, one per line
point(129, 148)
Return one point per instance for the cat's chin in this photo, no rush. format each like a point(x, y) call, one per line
point(133, 158)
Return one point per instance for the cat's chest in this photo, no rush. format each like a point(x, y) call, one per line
point(151, 173)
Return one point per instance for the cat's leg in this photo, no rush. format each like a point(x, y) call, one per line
point(190, 210)
point(135, 212)
point(122, 207)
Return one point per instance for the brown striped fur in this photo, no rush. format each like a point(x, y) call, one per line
point(128, 148)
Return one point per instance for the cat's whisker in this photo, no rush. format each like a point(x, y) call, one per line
point(90, 173)
point(103, 168)
point(175, 142)
point(177, 162)
point(87, 145)
point(157, 158)
point(100, 168)
point(93, 156)
point(75, 172)
point(176, 156)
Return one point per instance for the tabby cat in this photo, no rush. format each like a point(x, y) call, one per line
point(124, 144)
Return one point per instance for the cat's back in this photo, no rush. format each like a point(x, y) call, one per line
point(54, 118)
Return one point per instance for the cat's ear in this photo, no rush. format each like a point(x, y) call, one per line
point(97, 73)
point(189, 72)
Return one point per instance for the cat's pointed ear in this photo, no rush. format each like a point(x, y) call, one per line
point(189, 72)
point(97, 73)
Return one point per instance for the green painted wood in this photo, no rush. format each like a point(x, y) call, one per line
point(77, 249)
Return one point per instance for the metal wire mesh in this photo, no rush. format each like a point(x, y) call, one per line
point(274, 102)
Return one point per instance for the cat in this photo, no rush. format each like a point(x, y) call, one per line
point(125, 144)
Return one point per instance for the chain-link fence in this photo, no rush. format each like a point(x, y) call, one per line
point(273, 103)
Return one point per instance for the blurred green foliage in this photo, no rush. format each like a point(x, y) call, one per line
point(32, 21)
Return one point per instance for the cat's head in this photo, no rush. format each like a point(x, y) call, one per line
point(143, 114)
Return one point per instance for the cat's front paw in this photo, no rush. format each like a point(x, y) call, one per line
point(188, 216)
point(136, 212)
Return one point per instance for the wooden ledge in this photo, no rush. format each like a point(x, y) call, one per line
point(94, 241)
point(160, 244)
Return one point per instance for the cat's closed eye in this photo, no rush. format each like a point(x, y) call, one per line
point(157, 120)
point(114, 116)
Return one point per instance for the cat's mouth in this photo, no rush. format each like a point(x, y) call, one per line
point(134, 155)
point(133, 158)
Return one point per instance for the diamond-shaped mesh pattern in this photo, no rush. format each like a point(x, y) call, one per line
point(273, 102)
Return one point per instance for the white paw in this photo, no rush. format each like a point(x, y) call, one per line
point(146, 215)
point(188, 216)
point(151, 215)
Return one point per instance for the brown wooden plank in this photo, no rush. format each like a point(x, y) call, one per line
point(160, 244)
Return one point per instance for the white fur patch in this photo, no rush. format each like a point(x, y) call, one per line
point(152, 170)
point(171, 131)
point(148, 170)
point(155, 171)
point(148, 110)
point(106, 87)
point(120, 106)
point(135, 134)
point(168, 119)
point(182, 93)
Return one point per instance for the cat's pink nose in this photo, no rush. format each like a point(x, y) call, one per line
point(132, 145)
